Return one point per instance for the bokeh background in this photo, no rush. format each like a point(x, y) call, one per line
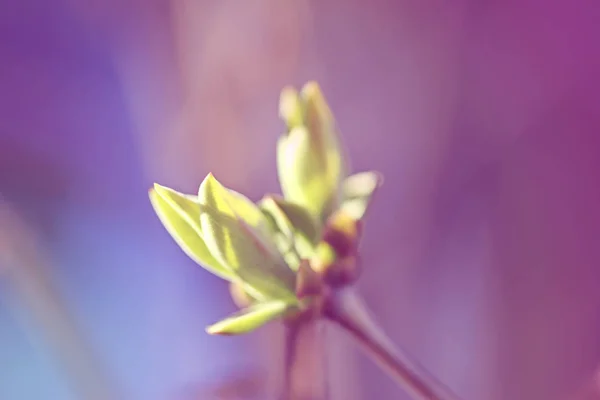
point(482, 250)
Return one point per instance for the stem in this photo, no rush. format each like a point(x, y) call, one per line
point(305, 368)
point(346, 309)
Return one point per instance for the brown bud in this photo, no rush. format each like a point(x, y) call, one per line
point(342, 232)
point(344, 272)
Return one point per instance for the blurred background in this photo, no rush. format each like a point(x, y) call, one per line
point(482, 249)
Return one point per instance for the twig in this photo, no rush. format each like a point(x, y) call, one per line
point(345, 309)
point(305, 376)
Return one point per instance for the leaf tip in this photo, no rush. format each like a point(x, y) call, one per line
point(311, 87)
point(159, 189)
point(153, 196)
point(216, 331)
point(290, 109)
point(209, 182)
point(379, 179)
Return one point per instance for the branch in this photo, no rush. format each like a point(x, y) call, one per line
point(347, 310)
point(305, 369)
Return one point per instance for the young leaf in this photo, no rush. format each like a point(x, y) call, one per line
point(310, 159)
point(239, 246)
point(295, 230)
point(318, 116)
point(290, 107)
point(322, 125)
point(244, 208)
point(251, 318)
point(287, 249)
point(180, 215)
point(280, 220)
point(283, 238)
point(358, 190)
point(308, 176)
point(301, 220)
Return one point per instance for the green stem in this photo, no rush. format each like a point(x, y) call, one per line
point(345, 309)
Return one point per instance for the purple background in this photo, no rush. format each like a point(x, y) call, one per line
point(483, 247)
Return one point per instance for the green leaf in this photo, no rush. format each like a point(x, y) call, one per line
point(310, 159)
point(358, 191)
point(301, 220)
point(321, 124)
point(281, 222)
point(318, 116)
point(287, 249)
point(308, 176)
point(180, 215)
point(245, 209)
point(251, 318)
point(282, 232)
point(240, 246)
point(296, 231)
point(290, 107)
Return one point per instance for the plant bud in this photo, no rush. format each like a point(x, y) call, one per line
point(310, 158)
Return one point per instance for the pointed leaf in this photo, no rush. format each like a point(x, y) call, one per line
point(318, 115)
point(283, 238)
point(288, 250)
point(250, 318)
point(238, 245)
point(290, 107)
point(180, 215)
point(311, 160)
point(300, 218)
point(295, 229)
point(321, 123)
point(281, 222)
point(245, 209)
point(362, 184)
point(308, 175)
point(358, 191)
